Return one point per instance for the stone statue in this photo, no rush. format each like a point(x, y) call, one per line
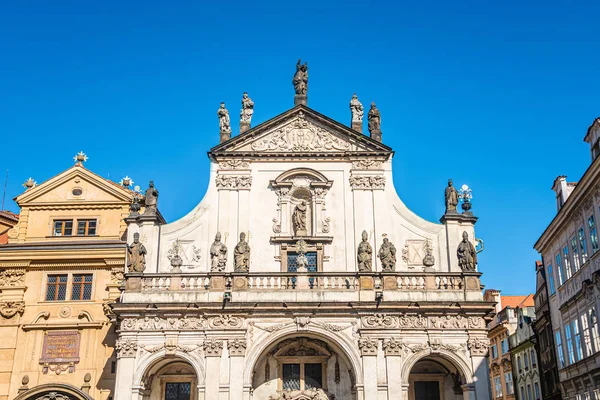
point(218, 254)
point(374, 119)
point(299, 219)
point(136, 255)
point(451, 197)
point(241, 255)
point(300, 79)
point(387, 255)
point(357, 109)
point(246, 112)
point(224, 121)
point(364, 254)
point(467, 255)
point(151, 199)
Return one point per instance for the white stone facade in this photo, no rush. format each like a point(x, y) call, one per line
point(277, 332)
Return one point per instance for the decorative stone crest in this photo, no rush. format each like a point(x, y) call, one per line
point(234, 164)
point(300, 136)
point(368, 346)
point(126, 348)
point(213, 347)
point(476, 323)
point(232, 182)
point(117, 275)
point(393, 347)
point(9, 309)
point(236, 347)
point(12, 277)
point(478, 346)
point(367, 182)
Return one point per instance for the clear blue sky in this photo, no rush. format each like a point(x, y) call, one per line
point(498, 96)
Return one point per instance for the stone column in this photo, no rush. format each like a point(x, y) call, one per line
point(126, 354)
point(393, 353)
point(405, 387)
point(368, 350)
point(237, 350)
point(212, 351)
point(455, 225)
point(468, 392)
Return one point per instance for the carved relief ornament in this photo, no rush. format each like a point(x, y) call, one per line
point(233, 182)
point(234, 164)
point(368, 346)
point(12, 277)
point(126, 348)
point(478, 346)
point(157, 323)
point(367, 182)
point(300, 136)
point(236, 347)
point(213, 348)
point(9, 309)
point(385, 321)
point(366, 164)
point(393, 347)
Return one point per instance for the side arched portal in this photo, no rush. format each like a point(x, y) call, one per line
point(57, 391)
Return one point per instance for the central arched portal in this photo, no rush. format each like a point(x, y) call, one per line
point(303, 367)
point(170, 379)
point(435, 378)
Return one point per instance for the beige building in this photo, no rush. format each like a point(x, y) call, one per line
point(63, 262)
point(501, 328)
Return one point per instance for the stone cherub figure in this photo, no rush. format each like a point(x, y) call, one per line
point(151, 199)
point(299, 218)
point(364, 253)
point(136, 252)
point(387, 255)
point(224, 121)
point(241, 255)
point(357, 109)
point(247, 109)
point(218, 254)
point(451, 197)
point(300, 79)
point(374, 118)
point(467, 255)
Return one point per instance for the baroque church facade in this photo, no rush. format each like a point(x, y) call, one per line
point(301, 275)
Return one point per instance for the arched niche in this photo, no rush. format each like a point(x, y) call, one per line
point(53, 391)
point(294, 187)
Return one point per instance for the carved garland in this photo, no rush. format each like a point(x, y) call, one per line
point(12, 277)
point(233, 182)
point(367, 182)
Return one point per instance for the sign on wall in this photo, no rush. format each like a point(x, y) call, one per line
point(60, 351)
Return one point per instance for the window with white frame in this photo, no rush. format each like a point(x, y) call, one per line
point(522, 389)
point(594, 330)
point(575, 253)
point(559, 350)
point(587, 337)
point(582, 246)
point(529, 393)
point(508, 380)
point(526, 359)
point(577, 339)
point(498, 386)
point(560, 270)
point(532, 355)
point(566, 262)
point(79, 285)
point(519, 364)
point(536, 389)
point(593, 233)
point(569, 340)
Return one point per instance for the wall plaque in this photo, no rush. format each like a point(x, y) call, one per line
point(60, 347)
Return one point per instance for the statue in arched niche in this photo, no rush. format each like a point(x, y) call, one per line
point(299, 218)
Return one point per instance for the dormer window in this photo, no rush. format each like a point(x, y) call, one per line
point(64, 227)
point(86, 227)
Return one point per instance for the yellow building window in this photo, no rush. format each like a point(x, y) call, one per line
point(63, 227)
point(86, 227)
point(56, 288)
point(82, 287)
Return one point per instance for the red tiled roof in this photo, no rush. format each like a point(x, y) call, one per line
point(4, 238)
point(517, 301)
point(9, 215)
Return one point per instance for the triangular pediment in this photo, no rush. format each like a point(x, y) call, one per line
point(301, 131)
point(91, 188)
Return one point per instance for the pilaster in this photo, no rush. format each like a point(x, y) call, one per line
point(368, 350)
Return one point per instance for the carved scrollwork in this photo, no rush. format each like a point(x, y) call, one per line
point(367, 182)
point(368, 346)
point(233, 182)
point(213, 348)
point(326, 227)
point(9, 309)
point(126, 348)
point(478, 346)
point(12, 277)
point(379, 321)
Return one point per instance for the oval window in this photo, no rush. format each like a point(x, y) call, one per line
point(77, 192)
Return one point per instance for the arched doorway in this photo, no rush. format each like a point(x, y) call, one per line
point(303, 367)
point(53, 392)
point(170, 379)
point(434, 377)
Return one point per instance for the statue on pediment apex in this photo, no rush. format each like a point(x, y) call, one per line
point(300, 79)
point(224, 121)
point(151, 199)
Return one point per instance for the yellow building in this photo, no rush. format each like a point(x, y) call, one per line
point(63, 263)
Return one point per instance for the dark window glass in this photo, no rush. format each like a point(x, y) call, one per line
point(311, 256)
point(56, 288)
point(63, 228)
point(178, 391)
point(291, 376)
point(82, 287)
point(86, 227)
point(313, 376)
point(113, 367)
